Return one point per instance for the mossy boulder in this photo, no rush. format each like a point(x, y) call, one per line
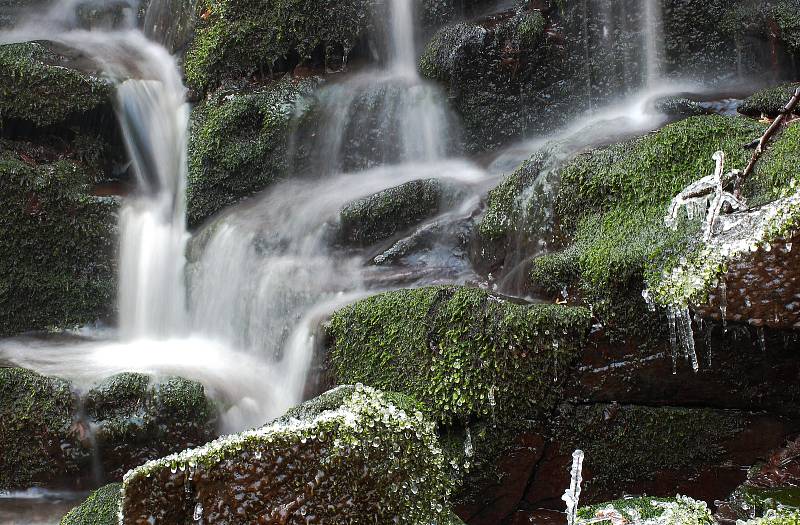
point(100, 508)
point(36, 88)
point(504, 76)
point(239, 142)
point(626, 444)
point(743, 243)
point(57, 251)
point(387, 213)
point(237, 38)
point(463, 353)
point(769, 101)
point(609, 209)
point(136, 420)
point(36, 436)
point(680, 510)
point(351, 453)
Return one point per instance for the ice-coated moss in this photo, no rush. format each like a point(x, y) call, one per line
point(136, 420)
point(773, 192)
point(100, 508)
point(769, 101)
point(462, 352)
point(389, 212)
point(236, 38)
point(352, 453)
point(680, 510)
point(35, 88)
point(57, 250)
point(239, 143)
point(611, 204)
point(36, 412)
point(776, 517)
point(625, 442)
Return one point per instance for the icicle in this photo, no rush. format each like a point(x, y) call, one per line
point(687, 336)
point(493, 403)
point(673, 338)
point(651, 304)
point(468, 448)
point(762, 341)
point(198, 512)
point(723, 303)
point(572, 495)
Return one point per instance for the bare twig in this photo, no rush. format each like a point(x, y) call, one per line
point(762, 143)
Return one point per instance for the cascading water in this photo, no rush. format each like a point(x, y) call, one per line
point(653, 41)
point(153, 233)
point(264, 274)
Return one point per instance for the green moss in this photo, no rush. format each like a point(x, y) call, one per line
point(773, 187)
point(136, 421)
point(628, 443)
point(34, 88)
point(238, 144)
point(352, 453)
point(462, 352)
point(649, 171)
point(675, 511)
point(554, 272)
point(769, 101)
point(611, 204)
point(57, 264)
point(236, 38)
point(386, 213)
point(508, 206)
point(438, 58)
point(37, 414)
point(100, 508)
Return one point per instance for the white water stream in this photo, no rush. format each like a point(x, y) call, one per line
point(262, 275)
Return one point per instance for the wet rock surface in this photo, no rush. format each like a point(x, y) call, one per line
point(352, 452)
point(55, 437)
point(57, 251)
point(135, 420)
point(390, 212)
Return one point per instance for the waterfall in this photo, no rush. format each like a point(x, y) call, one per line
point(153, 233)
point(653, 41)
point(408, 117)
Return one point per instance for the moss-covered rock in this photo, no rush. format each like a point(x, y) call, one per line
point(389, 212)
point(57, 262)
point(238, 143)
point(504, 75)
point(675, 511)
point(462, 352)
point(237, 38)
point(774, 217)
point(353, 452)
point(36, 88)
point(769, 101)
point(36, 434)
point(100, 508)
point(135, 421)
point(626, 444)
point(610, 205)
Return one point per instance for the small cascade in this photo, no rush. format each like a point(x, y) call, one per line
point(653, 41)
point(154, 121)
point(408, 117)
